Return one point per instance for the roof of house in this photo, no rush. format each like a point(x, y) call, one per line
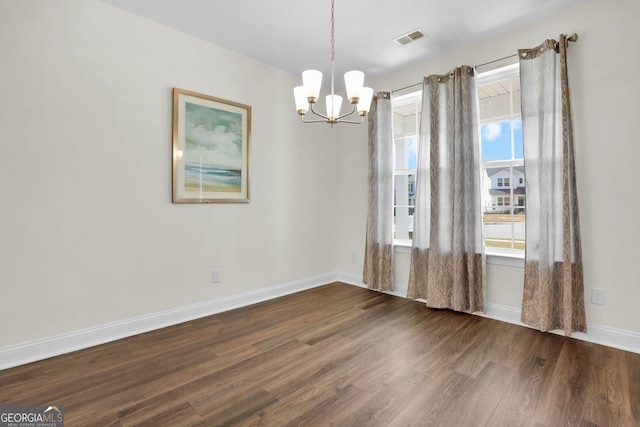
point(493, 171)
point(505, 191)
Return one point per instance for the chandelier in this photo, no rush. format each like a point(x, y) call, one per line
point(307, 95)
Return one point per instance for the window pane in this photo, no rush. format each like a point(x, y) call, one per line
point(504, 193)
point(406, 119)
point(404, 202)
point(496, 140)
point(517, 139)
point(406, 153)
point(503, 229)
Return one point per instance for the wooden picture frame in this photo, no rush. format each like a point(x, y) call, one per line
point(210, 149)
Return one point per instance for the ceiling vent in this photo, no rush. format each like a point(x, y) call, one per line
point(409, 37)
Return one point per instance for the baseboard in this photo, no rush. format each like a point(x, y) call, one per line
point(24, 353)
point(604, 335)
point(399, 290)
point(611, 337)
point(504, 313)
point(598, 334)
point(65, 343)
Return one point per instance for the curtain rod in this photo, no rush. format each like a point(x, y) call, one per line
point(475, 66)
point(572, 38)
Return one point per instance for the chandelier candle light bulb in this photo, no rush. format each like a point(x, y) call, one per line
point(354, 82)
point(302, 104)
point(334, 103)
point(307, 95)
point(365, 101)
point(312, 80)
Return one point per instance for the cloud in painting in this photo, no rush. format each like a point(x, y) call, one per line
point(213, 137)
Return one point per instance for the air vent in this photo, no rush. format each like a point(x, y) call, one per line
point(409, 37)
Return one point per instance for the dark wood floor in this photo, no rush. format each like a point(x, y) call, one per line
point(337, 355)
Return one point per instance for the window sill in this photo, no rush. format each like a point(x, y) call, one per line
point(507, 257)
point(402, 246)
point(495, 256)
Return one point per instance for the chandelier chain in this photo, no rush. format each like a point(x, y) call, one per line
point(333, 36)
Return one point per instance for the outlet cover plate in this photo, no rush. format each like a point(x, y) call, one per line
point(597, 296)
point(215, 276)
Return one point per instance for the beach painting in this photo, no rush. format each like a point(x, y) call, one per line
point(210, 149)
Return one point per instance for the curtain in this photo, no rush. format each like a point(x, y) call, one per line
point(553, 287)
point(378, 256)
point(447, 257)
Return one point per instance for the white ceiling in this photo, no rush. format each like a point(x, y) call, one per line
point(294, 35)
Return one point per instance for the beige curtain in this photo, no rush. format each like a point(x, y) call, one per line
point(447, 258)
point(553, 286)
point(378, 257)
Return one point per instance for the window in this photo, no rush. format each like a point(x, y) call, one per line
point(503, 182)
point(504, 201)
point(502, 160)
point(406, 123)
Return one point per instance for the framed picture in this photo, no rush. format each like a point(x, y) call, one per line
point(210, 149)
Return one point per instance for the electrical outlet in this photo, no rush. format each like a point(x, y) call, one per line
point(597, 296)
point(353, 258)
point(215, 276)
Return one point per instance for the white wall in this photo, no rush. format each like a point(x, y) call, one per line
point(604, 92)
point(88, 233)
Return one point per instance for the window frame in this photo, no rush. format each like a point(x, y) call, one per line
point(495, 254)
point(503, 72)
point(412, 97)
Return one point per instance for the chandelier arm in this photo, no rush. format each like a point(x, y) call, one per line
point(312, 121)
point(352, 122)
point(353, 110)
point(318, 114)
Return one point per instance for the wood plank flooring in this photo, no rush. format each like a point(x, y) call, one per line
point(337, 355)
